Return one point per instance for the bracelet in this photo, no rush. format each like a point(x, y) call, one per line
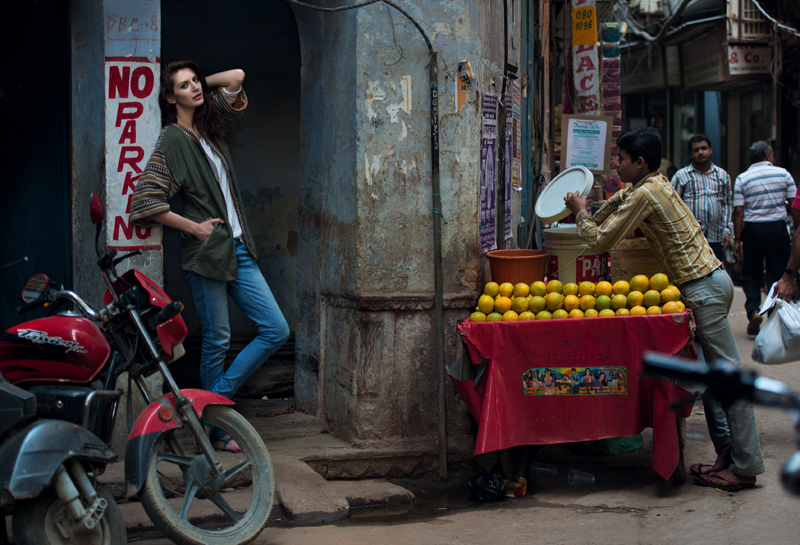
point(790, 271)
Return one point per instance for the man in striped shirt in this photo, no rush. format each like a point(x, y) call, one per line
point(706, 190)
point(684, 254)
point(759, 226)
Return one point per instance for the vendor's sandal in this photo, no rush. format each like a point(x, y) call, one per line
point(727, 484)
point(701, 469)
point(704, 469)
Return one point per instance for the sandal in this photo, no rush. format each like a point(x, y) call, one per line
point(223, 441)
point(731, 486)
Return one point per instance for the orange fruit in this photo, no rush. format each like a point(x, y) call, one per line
point(652, 298)
point(560, 314)
point(510, 316)
point(571, 302)
point(553, 301)
point(603, 302)
point(659, 281)
point(670, 294)
point(619, 301)
point(486, 304)
point(586, 288)
point(554, 286)
point(683, 307)
point(621, 288)
point(521, 290)
point(623, 312)
point(604, 288)
point(491, 289)
point(640, 283)
point(502, 305)
point(527, 315)
point(591, 313)
point(654, 310)
point(494, 317)
point(477, 316)
point(607, 312)
point(570, 289)
point(588, 302)
point(506, 289)
point(576, 313)
point(536, 304)
point(638, 310)
point(544, 315)
point(538, 288)
point(635, 298)
point(670, 307)
point(519, 304)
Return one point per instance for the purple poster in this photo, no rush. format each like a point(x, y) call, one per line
point(488, 162)
point(509, 142)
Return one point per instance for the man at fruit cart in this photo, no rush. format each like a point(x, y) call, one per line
point(706, 190)
point(759, 226)
point(651, 204)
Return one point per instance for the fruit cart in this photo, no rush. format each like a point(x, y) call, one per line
point(562, 381)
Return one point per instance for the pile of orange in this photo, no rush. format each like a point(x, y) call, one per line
point(554, 300)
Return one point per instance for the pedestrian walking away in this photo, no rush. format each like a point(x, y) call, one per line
point(651, 204)
point(218, 253)
point(759, 225)
point(706, 190)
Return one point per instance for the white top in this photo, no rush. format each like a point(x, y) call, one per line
point(762, 190)
point(222, 175)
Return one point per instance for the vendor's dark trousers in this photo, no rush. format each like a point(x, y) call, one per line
point(763, 242)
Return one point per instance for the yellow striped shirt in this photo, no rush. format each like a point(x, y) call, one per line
point(670, 227)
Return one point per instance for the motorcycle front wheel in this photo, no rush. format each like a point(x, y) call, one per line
point(44, 521)
point(185, 500)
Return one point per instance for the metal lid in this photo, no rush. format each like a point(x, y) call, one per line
point(550, 204)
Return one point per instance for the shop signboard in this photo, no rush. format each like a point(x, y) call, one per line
point(702, 62)
point(642, 70)
point(745, 59)
point(673, 55)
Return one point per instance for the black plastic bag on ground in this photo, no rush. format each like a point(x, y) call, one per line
point(487, 486)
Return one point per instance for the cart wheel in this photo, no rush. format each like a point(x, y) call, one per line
point(514, 462)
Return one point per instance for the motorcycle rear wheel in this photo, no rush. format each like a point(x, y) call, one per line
point(185, 474)
point(34, 522)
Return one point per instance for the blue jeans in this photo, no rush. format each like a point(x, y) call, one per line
point(710, 299)
point(251, 292)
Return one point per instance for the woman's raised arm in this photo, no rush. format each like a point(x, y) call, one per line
point(231, 80)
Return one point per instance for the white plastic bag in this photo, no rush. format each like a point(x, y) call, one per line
point(779, 340)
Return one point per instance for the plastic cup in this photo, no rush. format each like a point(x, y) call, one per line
point(579, 478)
point(539, 469)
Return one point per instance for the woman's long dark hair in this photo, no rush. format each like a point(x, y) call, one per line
point(205, 118)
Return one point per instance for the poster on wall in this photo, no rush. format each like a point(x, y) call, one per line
point(586, 141)
point(133, 123)
point(488, 161)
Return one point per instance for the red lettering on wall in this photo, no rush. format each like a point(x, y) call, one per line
point(138, 108)
point(129, 182)
point(142, 91)
point(129, 132)
point(127, 228)
point(586, 83)
point(118, 83)
point(584, 48)
point(585, 64)
point(142, 233)
point(130, 160)
point(123, 24)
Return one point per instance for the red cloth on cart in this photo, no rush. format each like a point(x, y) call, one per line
point(507, 417)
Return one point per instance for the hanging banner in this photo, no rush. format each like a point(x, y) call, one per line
point(516, 180)
point(584, 57)
point(508, 141)
point(488, 162)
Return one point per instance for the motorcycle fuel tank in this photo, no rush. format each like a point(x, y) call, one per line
point(55, 349)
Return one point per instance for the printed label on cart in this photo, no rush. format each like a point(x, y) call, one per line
point(575, 381)
point(591, 268)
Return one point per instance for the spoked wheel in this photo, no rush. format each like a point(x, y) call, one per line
point(45, 521)
point(184, 499)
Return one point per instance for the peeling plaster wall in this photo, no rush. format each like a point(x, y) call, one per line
point(369, 344)
point(88, 141)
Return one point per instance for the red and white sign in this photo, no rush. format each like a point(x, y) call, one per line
point(585, 73)
point(133, 123)
point(749, 59)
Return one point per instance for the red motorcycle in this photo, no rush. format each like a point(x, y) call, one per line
point(72, 363)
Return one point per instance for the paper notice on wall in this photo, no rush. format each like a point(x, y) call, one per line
point(464, 79)
point(587, 142)
point(488, 217)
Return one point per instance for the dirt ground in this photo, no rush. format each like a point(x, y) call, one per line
point(629, 504)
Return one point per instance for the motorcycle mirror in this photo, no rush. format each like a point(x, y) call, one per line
point(34, 287)
point(96, 210)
